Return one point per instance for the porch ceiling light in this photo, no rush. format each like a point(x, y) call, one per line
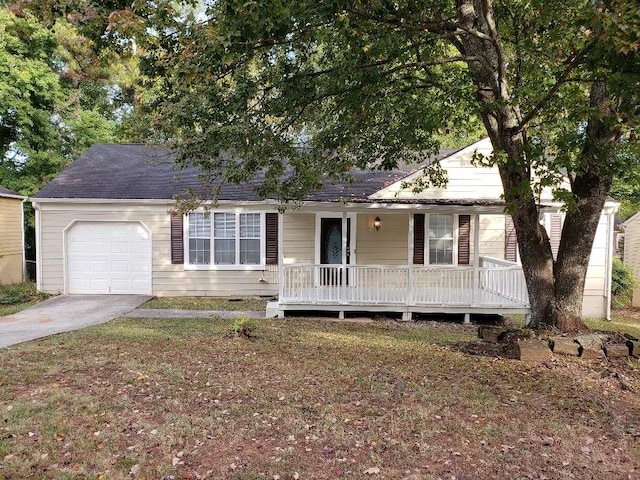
point(377, 222)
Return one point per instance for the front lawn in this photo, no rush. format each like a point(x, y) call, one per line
point(207, 303)
point(623, 321)
point(312, 400)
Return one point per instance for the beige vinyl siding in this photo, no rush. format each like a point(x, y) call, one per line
point(594, 303)
point(465, 180)
point(299, 237)
point(167, 279)
point(10, 240)
point(387, 246)
point(632, 251)
point(492, 236)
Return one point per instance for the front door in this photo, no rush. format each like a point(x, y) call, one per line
point(331, 248)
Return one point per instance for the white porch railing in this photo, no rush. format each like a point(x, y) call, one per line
point(503, 278)
point(493, 283)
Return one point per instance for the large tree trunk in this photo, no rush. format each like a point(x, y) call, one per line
point(590, 190)
point(555, 288)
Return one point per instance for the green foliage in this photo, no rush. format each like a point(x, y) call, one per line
point(627, 209)
point(64, 85)
point(29, 85)
point(380, 82)
point(244, 327)
point(20, 293)
point(622, 284)
point(626, 188)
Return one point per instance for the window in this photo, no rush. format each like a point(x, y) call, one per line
point(224, 238)
point(234, 238)
point(441, 239)
point(199, 239)
point(249, 238)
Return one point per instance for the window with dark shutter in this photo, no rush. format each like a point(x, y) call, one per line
point(510, 240)
point(177, 239)
point(418, 239)
point(464, 233)
point(271, 238)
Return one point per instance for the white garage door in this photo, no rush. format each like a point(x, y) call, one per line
point(109, 257)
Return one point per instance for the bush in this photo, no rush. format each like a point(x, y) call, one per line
point(245, 327)
point(19, 293)
point(622, 284)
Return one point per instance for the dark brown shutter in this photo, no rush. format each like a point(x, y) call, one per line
point(464, 233)
point(271, 238)
point(556, 233)
point(418, 239)
point(510, 240)
point(177, 239)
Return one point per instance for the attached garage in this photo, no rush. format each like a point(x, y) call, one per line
point(108, 258)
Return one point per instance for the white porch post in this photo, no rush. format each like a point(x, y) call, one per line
point(609, 264)
point(343, 267)
point(409, 267)
point(280, 262)
point(476, 259)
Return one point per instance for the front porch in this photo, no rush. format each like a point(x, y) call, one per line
point(494, 286)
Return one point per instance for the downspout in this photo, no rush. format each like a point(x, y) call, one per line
point(344, 273)
point(24, 256)
point(609, 264)
point(475, 284)
point(38, 238)
point(280, 260)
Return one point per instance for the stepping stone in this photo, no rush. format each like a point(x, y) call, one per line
point(534, 350)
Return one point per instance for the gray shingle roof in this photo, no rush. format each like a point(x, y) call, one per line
point(135, 171)
point(5, 192)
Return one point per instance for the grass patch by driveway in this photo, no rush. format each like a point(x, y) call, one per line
point(151, 398)
point(18, 296)
point(207, 303)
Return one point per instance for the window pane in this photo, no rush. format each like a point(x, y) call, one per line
point(199, 239)
point(441, 252)
point(225, 252)
point(250, 251)
point(224, 225)
point(199, 251)
point(441, 239)
point(199, 225)
point(249, 225)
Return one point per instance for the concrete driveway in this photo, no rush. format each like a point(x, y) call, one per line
point(63, 314)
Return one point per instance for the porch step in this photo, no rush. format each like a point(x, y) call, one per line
point(272, 309)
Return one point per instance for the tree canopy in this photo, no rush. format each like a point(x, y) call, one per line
point(60, 92)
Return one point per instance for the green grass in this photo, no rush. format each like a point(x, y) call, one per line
point(189, 399)
point(18, 296)
point(623, 321)
point(207, 303)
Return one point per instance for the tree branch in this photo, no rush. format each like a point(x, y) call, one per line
point(562, 79)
